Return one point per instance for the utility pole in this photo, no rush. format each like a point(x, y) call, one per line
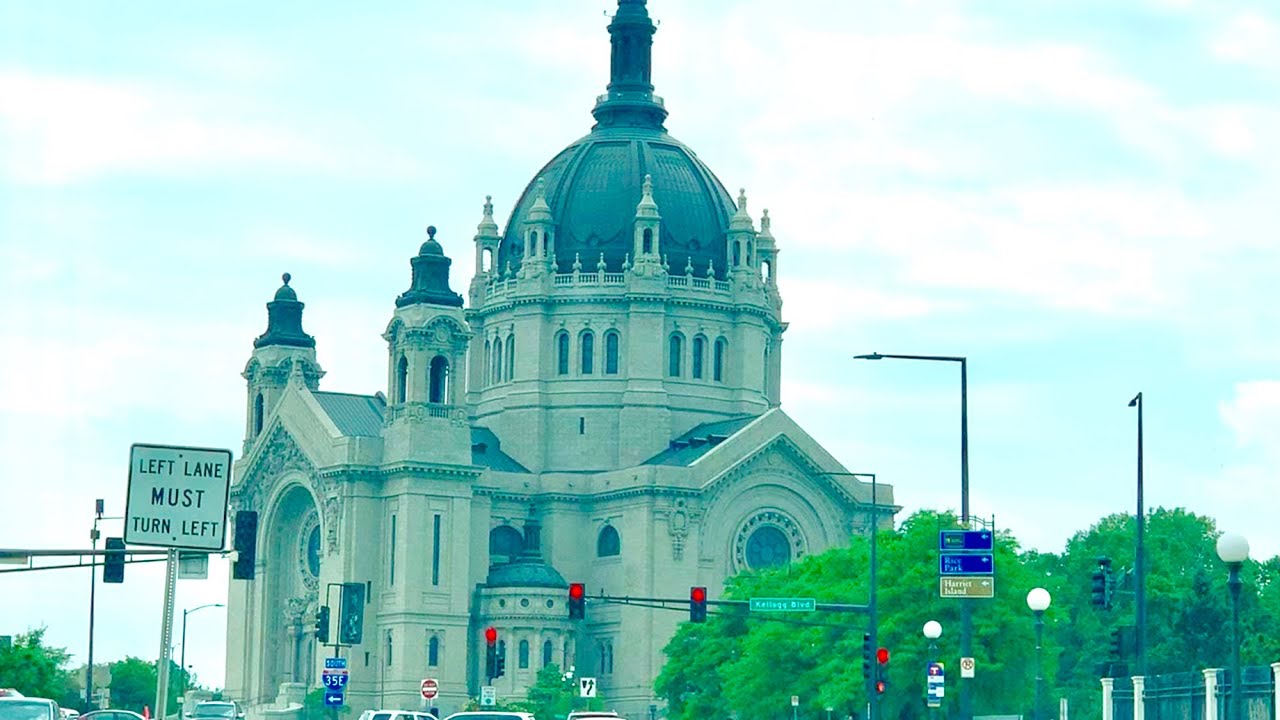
point(93, 588)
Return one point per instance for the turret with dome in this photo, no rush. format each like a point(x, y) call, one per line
point(604, 408)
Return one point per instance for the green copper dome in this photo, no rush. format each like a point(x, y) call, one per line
point(594, 185)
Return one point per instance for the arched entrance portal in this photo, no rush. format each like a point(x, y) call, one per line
point(293, 550)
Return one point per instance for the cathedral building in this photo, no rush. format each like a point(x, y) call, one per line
point(603, 407)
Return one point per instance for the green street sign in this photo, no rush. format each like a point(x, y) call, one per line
point(783, 605)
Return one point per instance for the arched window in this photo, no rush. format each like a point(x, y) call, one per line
point(562, 353)
point(511, 356)
point(748, 258)
point(439, 380)
point(497, 360)
point(505, 542)
point(737, 253)
point(611, 353)
point(675, 354)
point(533, 242)
point(258, 407)
point(648, 241)
point(486, 260)
point(588, 348)
point(486, 372)
point(402, 380)
point(524, 654)
point(699, 353)
point(433, 651)
point(766, 269)
point(389, 648)
point(717, 370)
point(608, 544)
point(547, 650)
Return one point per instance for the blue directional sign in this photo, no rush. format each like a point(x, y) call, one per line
point(977, 564)
point(334, 681)
point(335, 663)
point(333, 699)
point(965, 540)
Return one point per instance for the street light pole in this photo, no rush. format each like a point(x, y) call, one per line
point(183, 655)
point(966, 620)
point(93, 591)
point(1038, 600)
point(933, 631)
point(1139, 564)
point(1234, 550)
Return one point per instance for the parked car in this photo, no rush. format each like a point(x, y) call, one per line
point(215, 710)
point(396, 715)
point(490, 715)
point(25, 708)
point(110, 715)
point(594, 715)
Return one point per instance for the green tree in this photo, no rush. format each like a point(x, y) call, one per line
point(133, 685)
point(34, 668)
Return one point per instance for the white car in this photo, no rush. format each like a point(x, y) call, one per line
point(490, 715)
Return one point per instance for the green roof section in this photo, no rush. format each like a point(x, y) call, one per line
point(687, 448)
point(486, 452)
point(355, 415)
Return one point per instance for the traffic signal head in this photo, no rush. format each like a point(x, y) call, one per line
point(245, 543)
point(500, 663)
point(351, 621)
point(113, 561)
point(1098, 589)
point(698, 604)
point(866, 656)
point(881, 686)
point(577, 601)
point(1117, 644)
point(322, 624)
point(490, 636)
point(882, 656)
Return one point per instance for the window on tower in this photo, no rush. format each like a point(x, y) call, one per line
point(439, 380)
point(717, 369)
point(611, 341)
point(524, 654)
point(562, 353)
point(433, 651)
point(258, 412)
point(608, 543)
point(588, 343)
point(497, 360)
point(699, 353)
point(547, 651)
point(675, 354)
point(487, 371)
point(648, 241)
point(402, 380)
point(511, 356)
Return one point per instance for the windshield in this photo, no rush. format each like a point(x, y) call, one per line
point(217, 710)
point(25, 710)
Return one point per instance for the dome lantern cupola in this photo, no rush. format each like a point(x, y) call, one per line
point(648, 226)
point(741, 237)
point(430, 277)
point(629, 101)
point(284, 320)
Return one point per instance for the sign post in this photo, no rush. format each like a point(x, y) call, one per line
point(936, 689)
point(176, 499)
point(965, 586)
point(586, 687)
point(334, 680)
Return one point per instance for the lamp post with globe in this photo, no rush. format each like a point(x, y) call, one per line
point(932, 631)
point(1038, 600)
point(1234, 550)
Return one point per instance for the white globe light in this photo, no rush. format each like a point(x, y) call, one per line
point(933, 629)
point(1233, 548)
point(1038, 599)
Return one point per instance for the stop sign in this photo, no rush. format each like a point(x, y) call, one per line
point(430, 688)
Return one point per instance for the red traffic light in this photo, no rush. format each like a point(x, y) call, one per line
point(490, 636)
point(577, 591)
point(698, 594)
point(882, 656)
point(881, 686)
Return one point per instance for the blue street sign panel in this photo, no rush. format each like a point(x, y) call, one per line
point(334, 680)
point(332, 699)
point(965, 540)
point(982, 564)
point(335, 663)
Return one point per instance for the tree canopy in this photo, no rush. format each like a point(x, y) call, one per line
point(749, 665)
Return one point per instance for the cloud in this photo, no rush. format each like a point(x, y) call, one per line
point(62, 129)
point(1253, 414)
point(1249, 38)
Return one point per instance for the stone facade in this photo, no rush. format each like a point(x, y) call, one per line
point(611, 420)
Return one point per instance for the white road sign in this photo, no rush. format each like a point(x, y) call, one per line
point(430, 688)
point(177, 497)
point(488, 695)
point(586, 687)
point(966, 667)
